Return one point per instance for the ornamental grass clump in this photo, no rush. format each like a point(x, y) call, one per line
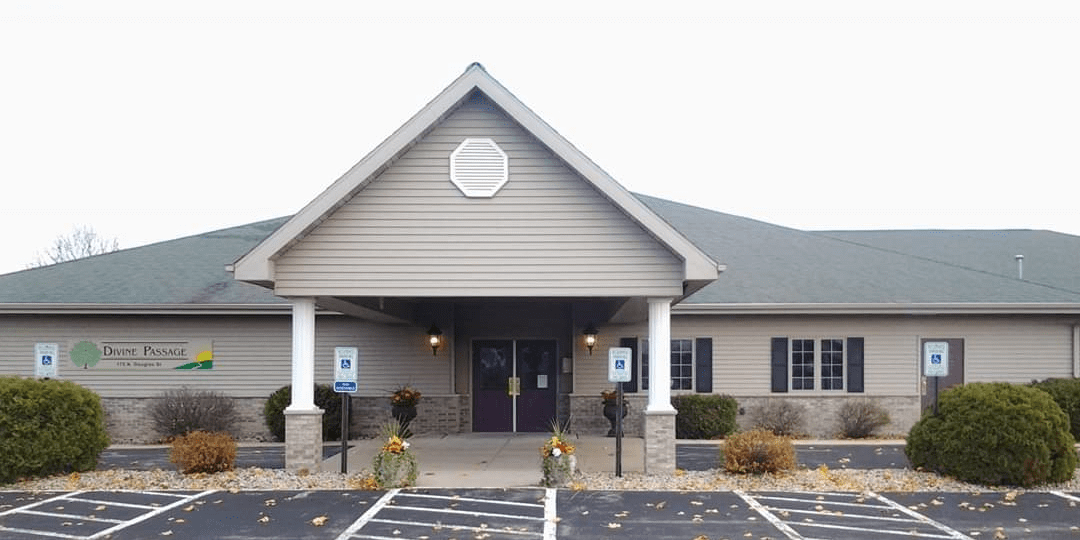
point(181, 411)
point(758, 451)
point(996, 434)
point(395, 465)
point(557, 459)
point(860, 418)
point(203, 452)
point(780, 416)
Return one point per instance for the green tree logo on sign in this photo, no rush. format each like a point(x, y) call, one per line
point(85, 354)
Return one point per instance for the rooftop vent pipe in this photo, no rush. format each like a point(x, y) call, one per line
point(1020, 265)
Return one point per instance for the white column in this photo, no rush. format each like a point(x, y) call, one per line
point(660, 355)
point(303, 354)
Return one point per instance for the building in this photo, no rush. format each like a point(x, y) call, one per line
point(479, 220)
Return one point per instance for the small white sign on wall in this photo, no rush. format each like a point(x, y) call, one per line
point(45, 360)
point(936, 359)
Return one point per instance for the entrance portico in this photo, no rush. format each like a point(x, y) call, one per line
point(479, 218)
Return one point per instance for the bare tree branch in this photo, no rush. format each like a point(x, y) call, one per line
point(80, 243)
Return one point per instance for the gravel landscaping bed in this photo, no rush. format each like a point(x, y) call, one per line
point(821, 479)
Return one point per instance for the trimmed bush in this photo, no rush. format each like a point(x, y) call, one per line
point(779, 416)
point(995, 434)
point(48, 427)
point(1066, 393)
point(705, 416)
point(181, 411)
point(325, 398)
point(203, 452)
point(860, 418)
point(758, 451)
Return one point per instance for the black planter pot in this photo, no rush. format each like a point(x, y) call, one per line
point(404, 414)
point(610, 411)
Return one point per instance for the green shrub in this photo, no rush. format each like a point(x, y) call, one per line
point(181, 411)
point(325, 398)
point(780, 416)
point(48, 427)
point(995, 434)
point(758, 451)
point(705, 416)
point(203, 452)
point(860, 418)
point(1066, 393)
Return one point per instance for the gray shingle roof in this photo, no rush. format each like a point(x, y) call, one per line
point(772, 264)
point(766, 264)
point(188, 270)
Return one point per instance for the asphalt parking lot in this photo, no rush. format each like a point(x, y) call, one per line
point(537, 513)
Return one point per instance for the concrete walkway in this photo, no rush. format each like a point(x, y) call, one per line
point(493, 460)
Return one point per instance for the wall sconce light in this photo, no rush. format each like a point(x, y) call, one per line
point(434, 339)
point(590, 337)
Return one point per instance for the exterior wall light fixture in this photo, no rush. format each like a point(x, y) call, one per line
point(434, 339)
point(590, 337)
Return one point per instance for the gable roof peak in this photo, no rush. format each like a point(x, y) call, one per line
point(258, 264)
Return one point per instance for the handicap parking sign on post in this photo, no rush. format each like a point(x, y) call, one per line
point(619, 364)
point(936, 359)
point(345, 369)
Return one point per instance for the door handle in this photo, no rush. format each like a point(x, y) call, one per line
point(513, 386)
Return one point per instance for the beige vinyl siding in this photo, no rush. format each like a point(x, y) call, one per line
point(252, 355)
point(997, 348)
point(410, 232)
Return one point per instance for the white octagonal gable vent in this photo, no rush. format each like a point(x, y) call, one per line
point(478, 167)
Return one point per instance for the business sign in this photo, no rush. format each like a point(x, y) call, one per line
point(45, 360)
point(619, 364)
point(346, 368)
point(143, 355)
point(936, 358)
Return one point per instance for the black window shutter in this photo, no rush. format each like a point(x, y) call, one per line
point(854, 364)
point(779, 364)
point(631, 343)
point(703, 365)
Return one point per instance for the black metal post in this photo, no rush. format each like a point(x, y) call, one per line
point(618, 429)
point(344, 433)
point(935, 394)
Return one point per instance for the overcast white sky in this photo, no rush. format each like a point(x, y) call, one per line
point(149, 121)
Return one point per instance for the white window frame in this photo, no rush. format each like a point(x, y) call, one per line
point(643, 370)
point(819, 351)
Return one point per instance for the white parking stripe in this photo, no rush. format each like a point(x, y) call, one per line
point(397, 500)
point(39, 503)
point(49, 534)
point(551, 520)
point(70, 516)
point(454, 527)
point(845, 515)
point(464, 512)
point(777, 522)
point(908, 534)
point(155, 512)
point(467, 499)
point(831, 503)
point(118, 524)
point(366, 516)
point(953, 533)
point(1064, 495)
